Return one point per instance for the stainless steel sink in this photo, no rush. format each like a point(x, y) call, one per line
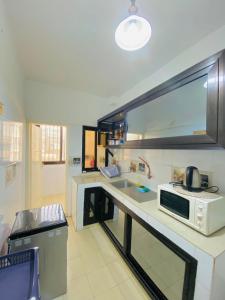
point(123, 184)
point(130, 189)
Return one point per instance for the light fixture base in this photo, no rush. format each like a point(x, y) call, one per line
point(134, 32)
point(133, 9)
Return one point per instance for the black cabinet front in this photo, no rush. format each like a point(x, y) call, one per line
point(116, 218)
point(163, 266)
point(107, 206)
point(166, 271)
point(91, 206)
point(98, 206)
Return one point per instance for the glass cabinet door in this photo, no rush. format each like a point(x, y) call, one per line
point(107, 207)
point(91, 200)
point(164, 267)
point(116, 223)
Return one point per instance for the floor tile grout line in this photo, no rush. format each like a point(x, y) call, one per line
point(106, 264)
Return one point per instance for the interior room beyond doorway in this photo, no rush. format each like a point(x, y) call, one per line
point(48, 165)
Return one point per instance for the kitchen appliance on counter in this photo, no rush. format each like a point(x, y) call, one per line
point(192, 179)
point(47, 229)
point(205, 212)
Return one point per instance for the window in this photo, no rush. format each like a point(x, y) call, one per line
point(89, 151)
point(11, 141)
point(53, 144)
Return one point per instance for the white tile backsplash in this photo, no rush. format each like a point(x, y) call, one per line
point(161, 162)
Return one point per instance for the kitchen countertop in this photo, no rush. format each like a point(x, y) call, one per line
point(213, 245)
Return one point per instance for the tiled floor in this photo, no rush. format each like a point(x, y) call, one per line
point(95, 269)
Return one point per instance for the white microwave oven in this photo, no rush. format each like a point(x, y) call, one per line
point(205, 215)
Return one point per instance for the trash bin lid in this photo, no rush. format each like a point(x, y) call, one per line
point(33, 221)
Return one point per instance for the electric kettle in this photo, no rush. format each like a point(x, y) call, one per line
point(192, 180)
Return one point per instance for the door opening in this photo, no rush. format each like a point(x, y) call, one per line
point(94, 149)
point(89, 149)
point(47, 165)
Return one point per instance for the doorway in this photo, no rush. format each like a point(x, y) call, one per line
point(94, 151)
point(47, 165)
point(89, 149)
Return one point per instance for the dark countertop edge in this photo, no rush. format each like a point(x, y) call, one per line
point(27, 233)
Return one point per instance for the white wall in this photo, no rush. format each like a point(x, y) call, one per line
point(53, 180)
point(162, 162)
point(74, 149)
point(55, 105)
point(12, 196)
point(34, 191)
point(46, 104)
point(210, 45)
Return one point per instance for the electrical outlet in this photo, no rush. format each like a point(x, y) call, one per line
point(204, 180)
point(141, 167)
point(76, 160)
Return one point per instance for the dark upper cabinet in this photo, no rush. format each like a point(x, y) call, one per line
point(115, 128)
point(187, 111)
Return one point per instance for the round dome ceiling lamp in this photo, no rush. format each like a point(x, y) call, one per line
point(134, 32)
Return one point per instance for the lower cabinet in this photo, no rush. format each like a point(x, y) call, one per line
point(98, 206)
point(162, 263)
point(106, 206)
point(91, 205)
point(165, 270)
point(116, 222)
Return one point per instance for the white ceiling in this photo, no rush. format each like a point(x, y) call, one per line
point(71, 42)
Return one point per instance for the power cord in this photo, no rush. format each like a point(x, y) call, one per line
point(210, 189)
point(215, 187)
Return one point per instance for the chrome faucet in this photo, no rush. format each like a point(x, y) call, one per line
point(149, 175)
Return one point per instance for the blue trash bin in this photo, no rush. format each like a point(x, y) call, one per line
point(19, 276)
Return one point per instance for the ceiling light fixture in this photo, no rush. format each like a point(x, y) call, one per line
point(134, 32)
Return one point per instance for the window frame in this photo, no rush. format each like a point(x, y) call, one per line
point(60, 161)
point(95, 129)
